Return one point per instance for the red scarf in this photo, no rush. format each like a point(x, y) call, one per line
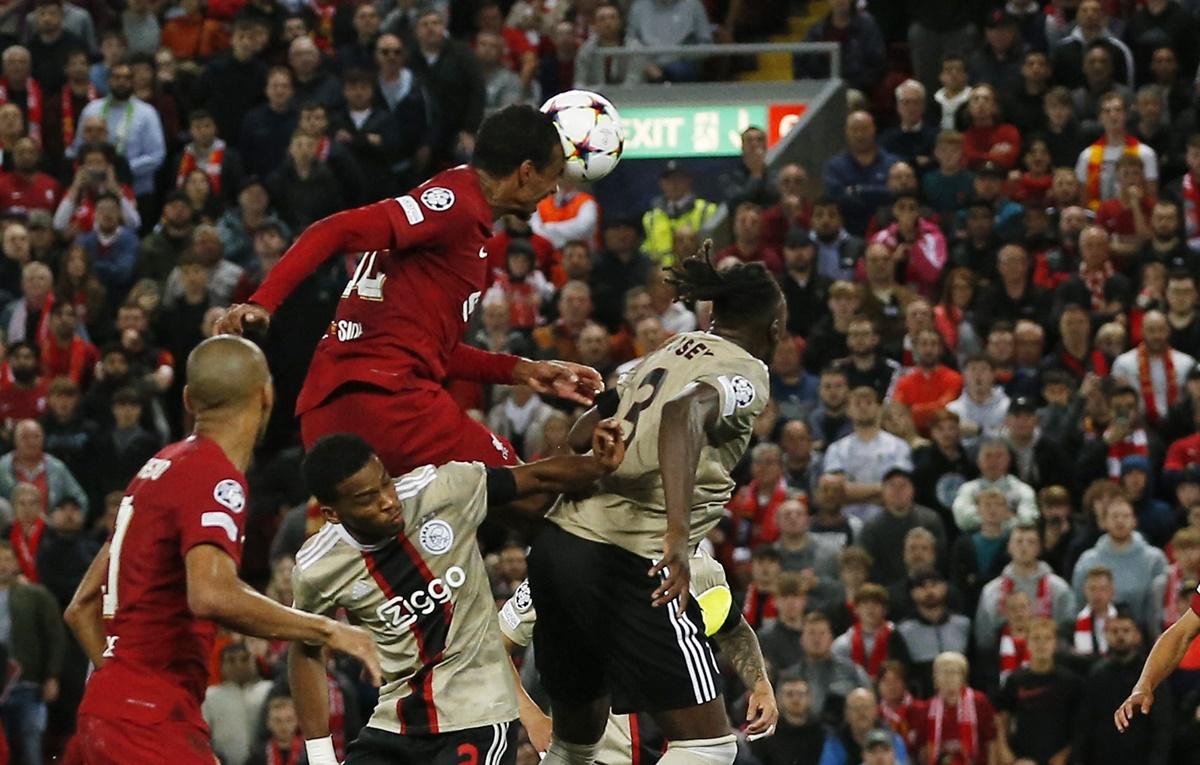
point(68, 111)
point(26, 548)
point(1096, 166)
point(323, 148)
point(1095, 281)
point(211, 164)
point(1088, 641)
point(1043, 607)
point(337, 718)
point(1077, 368)
point(324, 13)
point(1191, 206)
point(897, 717)
point(1147, 387)
point(77, 359)
point(858, 648)
point(1014, 653)
point(1135, 444)
point(33, 105)
point(968, 728)
point(759, 607)
point(275, 755)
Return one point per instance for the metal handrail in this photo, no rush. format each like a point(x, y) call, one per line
point(705, 50)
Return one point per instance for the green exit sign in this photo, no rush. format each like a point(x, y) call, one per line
point(656, 132)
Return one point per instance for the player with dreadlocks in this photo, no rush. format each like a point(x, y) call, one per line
point(603, 569)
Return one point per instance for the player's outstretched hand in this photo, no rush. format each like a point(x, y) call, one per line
point(761, 711)
point(565, 379)
point(608, 443)
point(358, 643)
point(679, 573)
point(1137, 701)
point(243, 318)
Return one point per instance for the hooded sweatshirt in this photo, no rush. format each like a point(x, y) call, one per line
point(1155, 519)
point(989, 617)
point(1139, 575)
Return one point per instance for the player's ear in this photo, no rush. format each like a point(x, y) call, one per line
point(188, 404)
point(330, 514)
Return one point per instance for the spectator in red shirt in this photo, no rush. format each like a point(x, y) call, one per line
point(23, 397)
point(748, 244)
point(930, 385)
point(25, 189)
point(1127, 215)
point(793, 209)
point(752, 509)
point(64, 353)
point(988, 139)
point(960, 725)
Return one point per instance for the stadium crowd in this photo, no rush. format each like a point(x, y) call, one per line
point(974, 499)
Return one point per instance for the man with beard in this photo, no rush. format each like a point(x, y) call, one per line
point(25, 396)
point(803, 288)
point(1182, 316)
point(931, 385)
point(26, 189)
point(932, 629)
point(1154, 368)
point(1166, 244)
point(866, 365)
point(133, 127)
point(1146, 739)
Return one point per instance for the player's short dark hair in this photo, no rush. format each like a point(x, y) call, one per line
point(198, 115)
point(742, 293)
point(513, 135)
point(331, 460)
point(357, 76)
point(766, 553)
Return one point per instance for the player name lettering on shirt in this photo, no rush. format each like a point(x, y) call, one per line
point(690, 349)
point(400, 612)
point(154, 469)
point(348, 330)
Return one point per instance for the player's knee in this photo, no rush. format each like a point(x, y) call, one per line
point(701, 751)
point(565, 753)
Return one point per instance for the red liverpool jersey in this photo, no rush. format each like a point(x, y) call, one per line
point(156, 658)
point(405, 308)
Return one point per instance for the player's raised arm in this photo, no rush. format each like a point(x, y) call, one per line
point(310, 690)
point(1164, 657)
point(84, 612)
point(681, 437)
point(359, 230)
point(215, 592)
point(576, 472)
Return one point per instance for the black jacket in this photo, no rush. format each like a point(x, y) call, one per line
point(264, 138)
point(374, 161)
point(455, 82)
point(229, 89)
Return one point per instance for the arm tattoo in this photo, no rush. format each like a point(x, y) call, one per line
point(740, 646)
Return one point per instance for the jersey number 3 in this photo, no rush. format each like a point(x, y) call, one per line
point(653, 380)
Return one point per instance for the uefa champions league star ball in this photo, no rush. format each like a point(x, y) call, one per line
point(591, 133)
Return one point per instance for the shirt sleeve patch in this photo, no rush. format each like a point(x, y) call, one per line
point(229, 493)
point(739, 393)
point(437, 198)
point(412, 210)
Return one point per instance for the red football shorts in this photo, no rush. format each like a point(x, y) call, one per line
point(408, 428)
point(101, 741)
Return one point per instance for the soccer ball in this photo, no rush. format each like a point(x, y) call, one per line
point(591, 133)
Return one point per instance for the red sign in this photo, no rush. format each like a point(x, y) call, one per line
point(781, 118)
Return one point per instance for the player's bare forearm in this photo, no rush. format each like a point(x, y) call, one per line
point(215, 592)
point(682, 435)
point(740, 646)
point(559, 475)
point(310, 688)
point(84, 615)
point(1168, 651)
